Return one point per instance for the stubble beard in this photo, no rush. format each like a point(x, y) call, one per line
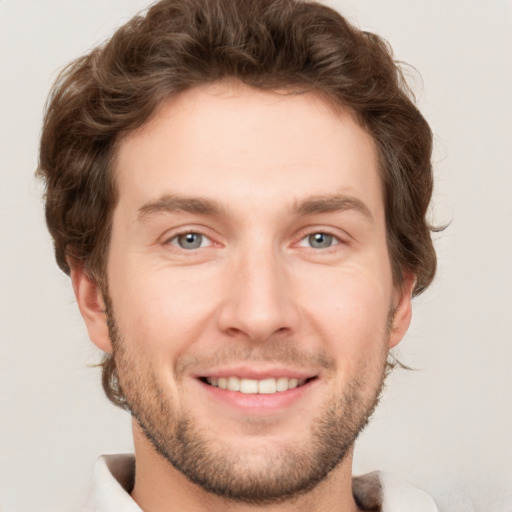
point(269, 476)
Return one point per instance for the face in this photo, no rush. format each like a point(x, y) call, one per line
point(251, 299)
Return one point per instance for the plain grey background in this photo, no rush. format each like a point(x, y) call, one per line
point(445, 427)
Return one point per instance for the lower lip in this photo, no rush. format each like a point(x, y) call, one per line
point(258, 403)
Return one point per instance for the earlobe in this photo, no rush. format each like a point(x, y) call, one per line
point(92, 308)
point(402, 311)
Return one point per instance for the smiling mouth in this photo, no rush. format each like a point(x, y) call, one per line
point(251, 386)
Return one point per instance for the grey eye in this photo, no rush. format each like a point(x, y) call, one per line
point(320, 240)
point(189, 241)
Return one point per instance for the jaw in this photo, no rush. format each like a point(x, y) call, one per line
point(157, 482)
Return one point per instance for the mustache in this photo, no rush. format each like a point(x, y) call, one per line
point(272, 351)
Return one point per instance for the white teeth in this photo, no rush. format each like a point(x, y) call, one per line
point(252, 386)
point(267, 386)
point(282, 384)
point(233, 384)
point(248, 386)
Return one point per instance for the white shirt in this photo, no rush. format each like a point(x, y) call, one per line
point(114, 476)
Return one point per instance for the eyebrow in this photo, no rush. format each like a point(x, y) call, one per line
point(314, 205)
point(331, 203)
point(173, 203)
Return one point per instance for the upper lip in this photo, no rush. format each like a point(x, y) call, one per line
point(252, 372)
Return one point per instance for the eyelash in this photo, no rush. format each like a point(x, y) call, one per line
point(332, 238)
point(187, 233)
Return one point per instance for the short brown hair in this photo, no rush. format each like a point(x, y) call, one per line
point(267, 44)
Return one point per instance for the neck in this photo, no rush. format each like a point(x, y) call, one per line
point(159, 487)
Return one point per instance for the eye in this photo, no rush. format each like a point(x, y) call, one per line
point(319, 241)
point(190, 241)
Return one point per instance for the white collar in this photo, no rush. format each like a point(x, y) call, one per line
point(111, 483)
point(114, 475)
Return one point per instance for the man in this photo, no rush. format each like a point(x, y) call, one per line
point(238, 190)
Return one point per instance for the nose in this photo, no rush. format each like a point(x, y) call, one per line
point(260, 299)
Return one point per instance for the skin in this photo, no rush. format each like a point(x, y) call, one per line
point(256, 298)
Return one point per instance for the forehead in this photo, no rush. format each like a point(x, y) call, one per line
point(233, 143)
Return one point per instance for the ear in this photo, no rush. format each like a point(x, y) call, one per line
point(92, 307)
point(403, 310)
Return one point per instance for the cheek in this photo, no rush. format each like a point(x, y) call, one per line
point(350, 310)
point(160, 309)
